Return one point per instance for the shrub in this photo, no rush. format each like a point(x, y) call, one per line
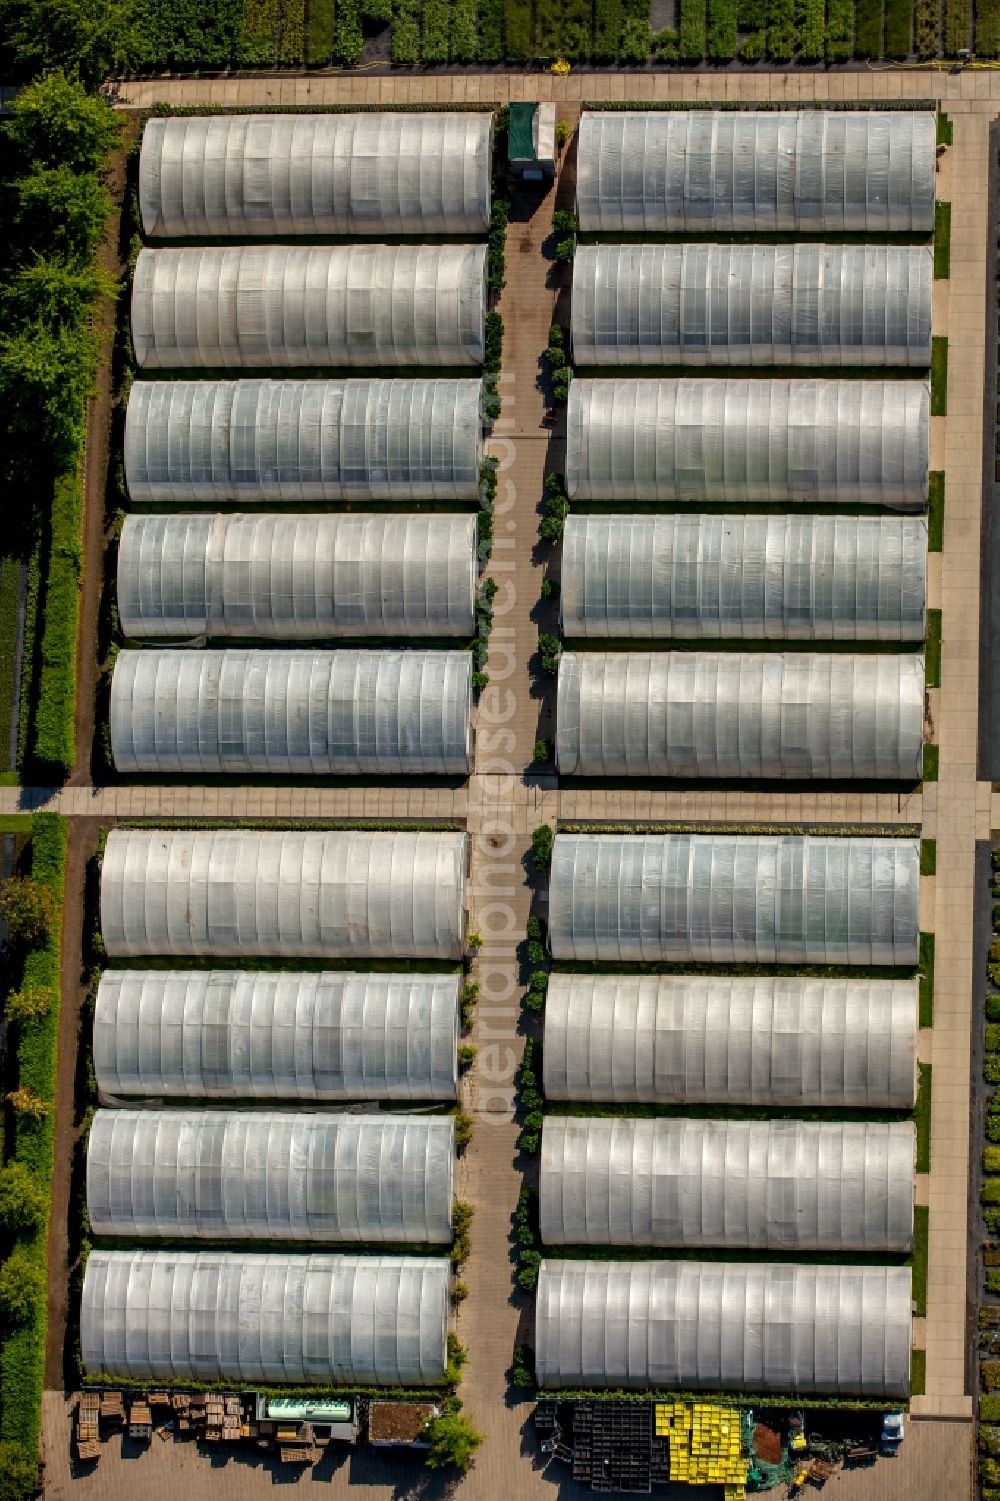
point(28, 908)
point(348, 38)
point(521, 1373)
point(541, 753)
point(54, 122)
point(29, 1004)
point(607, 30)
point(536, 952)
point(437, 23)
point(493, 348)
point(721, 30)
point(560, 383)
point(691, 30)
point(22, 1203)
point(22, 1284)
point(839, 30)
point(527, 1276)
point(405, 43)
point(474, 941)
point(634, 44)
point(549, 587)
point(533, 927)
point(549, 649)
point(565, 249)
point(461, 1222)
point(811, 20)
point(542, 840)
point(993, 1040)
point(990, 1191)
point(463, 1129)
point(989, 1371)
point(993, 1007)
point(780, 30)
point(451, 1442)
point(991, 1069)
point(491, 31)
point(467, 1054)
point(751, 48)
point(18, 1472)
point(991, 1159)
point(564, 222)
point(989, 1409)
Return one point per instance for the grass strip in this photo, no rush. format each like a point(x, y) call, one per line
point(926, 979)
point(54, 740)
point(918, 1262)
point(942, 241)
point(319, 32)
point(922, 1118)
point(939, 376)
point(932, 650)
point(918, 1372)
point(945, 129)
point(928, 857)
point(935, 511)
point(931, 763)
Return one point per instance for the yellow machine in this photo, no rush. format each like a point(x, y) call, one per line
point(705, 1447)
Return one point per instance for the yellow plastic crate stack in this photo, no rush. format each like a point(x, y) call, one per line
point(705, 1445)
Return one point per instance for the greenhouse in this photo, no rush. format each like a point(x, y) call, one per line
point(718, 171)
point(308, 307)
point(781, 1185)
point(272, 176)
point(225, 1034)
point(740, 714)
point(253, 441)
point(724, 1326)
point(297, 578)
point(756, 578)
point(255, 1175)
point(796, 1042)
point(735, 899)
point(314, 1320)
point(284, 894)
point(812, 442)
point(752, 305)
point(292, 713)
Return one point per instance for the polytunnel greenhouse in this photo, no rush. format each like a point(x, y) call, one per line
point(307, 307)
point(723, 1040)
point(752, 305)
point(716, 171)
point(254, 441)
point(843, 442)
point(755, 578)
point(297, 578)
point(272, 176)
point(740, 714)
point(292, 713)
point(231, 1034)
point(724, 1326)
point(735, 899)
point(315, 1320)
point(256, 1175)
point(284, 894)
point(782, 1185)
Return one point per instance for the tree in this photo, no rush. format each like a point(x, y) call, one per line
point(28, 909)
point(22, 1204)
point(22, 1289)
point(24, 1101)
point(54, 122)
point(61, 212)
point(18, 1472)
point(452, 1442)
point(46, 375)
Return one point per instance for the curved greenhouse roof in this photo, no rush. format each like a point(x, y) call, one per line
point(297, 578)
point(740, 714)
point(782, 1185)
point(708, 171)
point(735, 899)
point(226, 1034)
point(752, 305)
point(717, 1039)
point(845, 442)
point(256, 1175)
point(279, 1319)
point(306, 307)
point(252, 441)
point(723, 1326)
point(755, 578)
point(283, 893)
point(292, 713)
point(276, 175)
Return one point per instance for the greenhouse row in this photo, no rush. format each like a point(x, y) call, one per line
point(755, 578)
point(781, 1185)
point(254, 441)
point(263, 1175)
point(292, 713)
point(233, 1034)
point(709, 304)
point(740, 714)
point(717, 171)
point(367, 174)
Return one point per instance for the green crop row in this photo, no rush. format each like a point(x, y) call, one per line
point(464, 31)
point(635, 38)
point(517, 29)
point(319, 36)
point(927, 28)
point(54, 740)
point(348, 38)
point(691, 34)
point(491, 31)
point(437, 25)
point(988, 28)
point(259, 33)
point(721, 30)
point(780, 30)
point(607, 29)
point(811, 24)
point(898, 17)
point(956, 26)
point(868, 28)
point(406, 16)
point(839, 30)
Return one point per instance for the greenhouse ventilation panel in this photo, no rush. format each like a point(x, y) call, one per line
point(791, 1042)
point(262, 1175)
point(292, 713)
point(283, 894)
point(715, 171)
point(740, 714)
point(756, 578)
point(724, 1326)
point(752, 305)
point(272, 176)
point(781, 1185)
point(253, 441)
point(225, 1034)
point(254, 306)
point(314, 1320)
point(735, 898)
point(297, 578)
point(811, 442)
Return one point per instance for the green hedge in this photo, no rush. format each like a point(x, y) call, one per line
point(898, 15)
point(868, 28)
point(989, 1408)
point(53, 742)
point(635, 38)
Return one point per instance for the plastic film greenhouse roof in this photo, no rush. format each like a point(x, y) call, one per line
point(752, 305)
point(845, 442)
point(717, 1039)
point(723, 1326)
point(256, 1175)
point(735, 898)
point(762, 1185)
point(287, 894)
point(707, 171)
point(252, 441)
point(255, 306)
point(756, 578)
point(274, 175)
point(292, 713)
point(739, 714)
point(275, 1319)
point(276, 1035)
